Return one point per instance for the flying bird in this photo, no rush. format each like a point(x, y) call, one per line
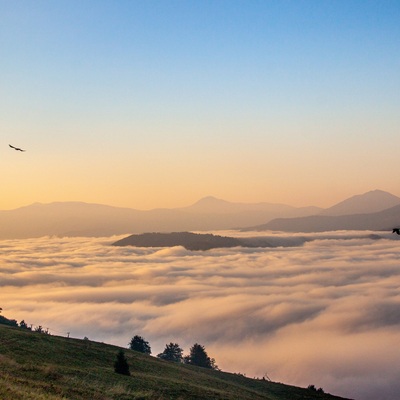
point(16, 148)
point(396, 230)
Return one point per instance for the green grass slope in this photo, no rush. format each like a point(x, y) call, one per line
point(36, 366)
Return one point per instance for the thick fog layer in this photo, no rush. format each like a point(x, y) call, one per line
point(319, 309)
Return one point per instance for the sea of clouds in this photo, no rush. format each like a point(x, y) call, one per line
point(320, 309)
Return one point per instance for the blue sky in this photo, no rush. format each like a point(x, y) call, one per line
point(245, 100)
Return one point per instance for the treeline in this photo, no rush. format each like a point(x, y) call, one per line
point(173, 352)
point(22, 324)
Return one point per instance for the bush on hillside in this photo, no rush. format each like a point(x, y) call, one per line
point(24, 325)
point(6, 321)
point(121, 364)
point(40, 329)
point(314, 389)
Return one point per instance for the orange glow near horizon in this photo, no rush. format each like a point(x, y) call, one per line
point(119, 178)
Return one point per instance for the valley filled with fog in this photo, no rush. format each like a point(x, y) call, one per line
point(320, 308)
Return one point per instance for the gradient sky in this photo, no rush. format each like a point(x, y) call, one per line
point(149, 104)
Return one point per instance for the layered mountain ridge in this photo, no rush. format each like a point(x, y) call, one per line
point(375, 210)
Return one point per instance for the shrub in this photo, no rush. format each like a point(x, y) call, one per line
point(121, 364)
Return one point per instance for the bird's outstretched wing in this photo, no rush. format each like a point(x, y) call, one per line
point(16, 148)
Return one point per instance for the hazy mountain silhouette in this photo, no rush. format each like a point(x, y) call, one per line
point(189, 240)
point(381, 220)
point(370, 202)
point(212, 205)
point(83, 219)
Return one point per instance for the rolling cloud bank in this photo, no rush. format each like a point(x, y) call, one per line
point(319, 309)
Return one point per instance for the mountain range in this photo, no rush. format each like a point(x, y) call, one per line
point(375, 210)
point(85, 219)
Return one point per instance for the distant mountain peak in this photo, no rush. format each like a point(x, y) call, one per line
point(211, 204)
point(369, 202)
point(210, 199)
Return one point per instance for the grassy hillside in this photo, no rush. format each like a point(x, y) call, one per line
point(36, 366)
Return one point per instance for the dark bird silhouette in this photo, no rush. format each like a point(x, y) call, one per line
point(16, 148)
point(396, 230)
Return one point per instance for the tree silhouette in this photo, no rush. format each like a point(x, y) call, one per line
point(24, 325)
point(198, 356)
point(121, 364)
point(314, 389)
point(137, 343)
point(40, 329)
point(172, 352)
point(6, 321)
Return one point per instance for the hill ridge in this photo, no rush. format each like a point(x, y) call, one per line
point(384, 220)
point(369, 202)
point(36, 366)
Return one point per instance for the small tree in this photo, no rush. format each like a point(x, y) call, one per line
point(121, 364)
point(137, 343)
point(172, 352)
point(40, 329)
point(198, 356)
point(314, 389)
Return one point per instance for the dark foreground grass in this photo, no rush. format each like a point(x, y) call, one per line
point(36, 366)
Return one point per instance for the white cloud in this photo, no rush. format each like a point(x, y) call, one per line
point(322, 312)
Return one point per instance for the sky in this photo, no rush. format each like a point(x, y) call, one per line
point(148, 104)
point(324, 312)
